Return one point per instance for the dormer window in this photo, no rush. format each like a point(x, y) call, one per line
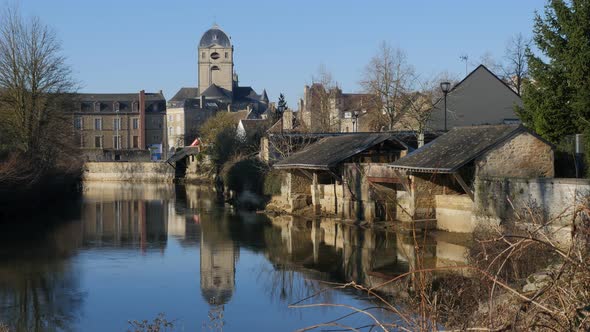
point(116, 106)
point(135, 106)
point(97, 106)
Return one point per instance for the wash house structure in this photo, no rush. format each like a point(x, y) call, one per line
point(346, 176)
point(441, 179)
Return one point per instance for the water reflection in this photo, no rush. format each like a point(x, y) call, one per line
point(145, 245)
point(39, 288)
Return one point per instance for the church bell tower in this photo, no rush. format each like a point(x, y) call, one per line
point(216, 60)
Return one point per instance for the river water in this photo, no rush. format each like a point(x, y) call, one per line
point(131, 251)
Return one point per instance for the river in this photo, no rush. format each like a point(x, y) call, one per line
point(131, 251)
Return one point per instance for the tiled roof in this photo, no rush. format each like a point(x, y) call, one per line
point(330, 151)
point(456, 148)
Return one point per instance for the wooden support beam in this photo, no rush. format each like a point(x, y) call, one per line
point(307, 174)
point(464, 185)
point(374, 179)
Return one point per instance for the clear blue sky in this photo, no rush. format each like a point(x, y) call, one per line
point(129, 45)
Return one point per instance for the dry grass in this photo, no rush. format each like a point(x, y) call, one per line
point(488, 294)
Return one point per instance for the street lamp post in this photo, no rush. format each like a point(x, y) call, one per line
point(117, 130)
point(355, 119)
point(445, 87)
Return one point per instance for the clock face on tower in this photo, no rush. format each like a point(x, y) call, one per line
point(215, 55)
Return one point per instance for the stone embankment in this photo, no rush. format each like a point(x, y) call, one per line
point(128, 171)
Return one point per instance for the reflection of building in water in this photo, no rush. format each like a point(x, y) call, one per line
point(218, 261)
point(123, 223)
point(366, 256)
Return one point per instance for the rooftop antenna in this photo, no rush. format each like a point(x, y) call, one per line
point(464, 57)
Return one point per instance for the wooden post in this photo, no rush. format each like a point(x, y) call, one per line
point(464, 185)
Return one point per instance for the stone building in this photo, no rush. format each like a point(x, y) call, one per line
point(344, 175)
point(331, 110)
point(439, 180)
point(218, 89)
point(120, 126)
point(481, 98)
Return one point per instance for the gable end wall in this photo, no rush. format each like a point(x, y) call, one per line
point(523, 156)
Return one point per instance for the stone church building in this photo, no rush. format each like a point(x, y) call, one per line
point(218, 90)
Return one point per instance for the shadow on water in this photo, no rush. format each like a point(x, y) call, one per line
point(290, 258)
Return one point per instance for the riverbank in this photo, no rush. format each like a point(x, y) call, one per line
point(129, 171)
point(49, 192)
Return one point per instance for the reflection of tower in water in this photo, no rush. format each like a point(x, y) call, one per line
point(218, 264)
point(218, 268)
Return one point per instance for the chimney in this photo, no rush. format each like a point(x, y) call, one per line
point(142, 135)
point(288, 120)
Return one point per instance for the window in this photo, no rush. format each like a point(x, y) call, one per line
point(98, 124)
point(214, 68)
point(78, 123)
point(203, 55)
point(117, 124)
point(215, 56)
point(117, 142)
point(347, 115)
point(226, 55)
point(170, 118)
point(135, 142)
point(135, 107)
point(116, 106)
point(98, 141)
point(170, 131)
point(135, 123)
point(97, 106)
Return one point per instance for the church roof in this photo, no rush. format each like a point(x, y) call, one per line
point(185, 93)
point(242, 93)
point(215, 92)
point(215, 36)
point(264, 96)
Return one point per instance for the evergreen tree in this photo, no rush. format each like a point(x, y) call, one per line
point(557, 97)
point(281, 105)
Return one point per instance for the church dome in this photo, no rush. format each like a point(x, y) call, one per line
point(215, 36)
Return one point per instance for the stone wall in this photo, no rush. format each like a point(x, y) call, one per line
point(425, 187)
point(523, 156)
point(128, 171)
point(454, 213)
point(551, 198)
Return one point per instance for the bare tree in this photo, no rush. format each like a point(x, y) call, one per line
point(390, 77)
point(35, 88)
point(417, 108)
point(516, 67)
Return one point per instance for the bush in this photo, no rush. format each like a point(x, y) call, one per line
point(245, 174)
